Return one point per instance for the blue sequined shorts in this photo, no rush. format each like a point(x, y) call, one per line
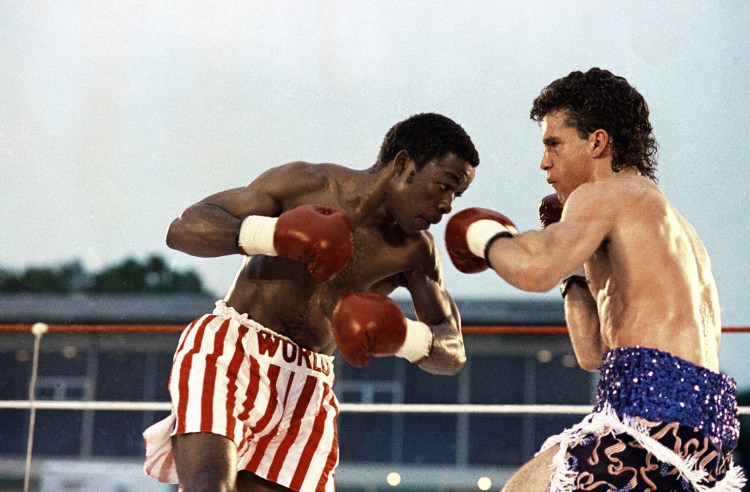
point(660, 423)
point(658, 386)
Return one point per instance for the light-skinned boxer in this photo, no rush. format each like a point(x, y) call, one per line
point(643, 310)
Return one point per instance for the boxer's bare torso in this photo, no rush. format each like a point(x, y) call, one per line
point(650, 276)
point(392, 247)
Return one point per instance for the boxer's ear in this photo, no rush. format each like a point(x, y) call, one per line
point(599, 143)
point(402, 162)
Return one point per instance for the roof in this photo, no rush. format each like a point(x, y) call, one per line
point(183, 308)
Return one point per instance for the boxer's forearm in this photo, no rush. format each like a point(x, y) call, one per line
point(582, 320)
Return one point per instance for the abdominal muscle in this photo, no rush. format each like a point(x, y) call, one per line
point(282, 297)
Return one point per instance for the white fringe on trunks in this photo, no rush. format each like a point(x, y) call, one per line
point(606, 421)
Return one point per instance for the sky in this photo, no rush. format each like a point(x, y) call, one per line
point(115, 116)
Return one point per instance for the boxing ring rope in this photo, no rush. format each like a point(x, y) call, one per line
point(157, 406)
point(38, 329)
point(129, 328)
point(41, 328)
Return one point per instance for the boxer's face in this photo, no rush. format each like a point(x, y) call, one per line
point(567, 157)
point(423, 196)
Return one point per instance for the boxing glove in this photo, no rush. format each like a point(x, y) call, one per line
point(368, 324)
point(469, 234)
point(311, 234)
point(550, 210)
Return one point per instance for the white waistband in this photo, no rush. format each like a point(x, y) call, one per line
point(229, 312)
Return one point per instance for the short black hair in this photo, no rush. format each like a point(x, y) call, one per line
point(598, 99)
point(427, 136)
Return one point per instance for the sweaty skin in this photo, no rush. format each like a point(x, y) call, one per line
point(390, 211)
point(649, 275)
point(648, 271)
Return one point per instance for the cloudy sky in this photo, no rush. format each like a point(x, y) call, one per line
point(115, 116)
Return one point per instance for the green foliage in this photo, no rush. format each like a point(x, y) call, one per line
point(153, 275)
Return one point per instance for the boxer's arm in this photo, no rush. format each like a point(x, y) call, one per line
point(537, 261)
point(550, 212)
point(582, 320)
point(434, 306)
point(369, 324)
point(210, 227)
point(581, 315)
point(448, 354)
point(470, 233)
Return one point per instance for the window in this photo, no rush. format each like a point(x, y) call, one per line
point(496, 439)
point(128, 376)
point(15, 368)
point(62, 388)
point(423, 387)
point(429, 438)
point(370, 437)
point(542, 377)
point(561, 381)
point(497, 379)
point(62, 376)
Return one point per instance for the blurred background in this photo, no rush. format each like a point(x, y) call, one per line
point(115, 116)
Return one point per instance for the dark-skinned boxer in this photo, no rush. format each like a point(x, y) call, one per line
point(323, 246)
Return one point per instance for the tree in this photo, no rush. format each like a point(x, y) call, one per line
point(69, 277)
point(153, 275)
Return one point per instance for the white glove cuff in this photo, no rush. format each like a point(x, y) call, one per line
point(418, 342)
point(479, 234)
point(256, 235)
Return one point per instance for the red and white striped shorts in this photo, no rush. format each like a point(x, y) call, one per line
point(273, 398)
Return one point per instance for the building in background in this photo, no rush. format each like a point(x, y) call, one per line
point(447, 452)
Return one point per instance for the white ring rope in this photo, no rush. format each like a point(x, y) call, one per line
point(33, 405)
point(458, 408)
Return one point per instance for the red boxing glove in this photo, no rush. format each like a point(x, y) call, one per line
point(317, 236)
point(368, 324)
point(550, 210)
point(470, 232)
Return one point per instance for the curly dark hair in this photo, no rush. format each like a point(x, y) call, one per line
point(599, 99)
point(427, 136)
